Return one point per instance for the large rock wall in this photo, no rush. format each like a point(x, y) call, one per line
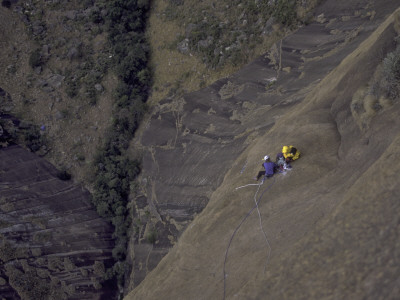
point(218, 136)
point(52, 242)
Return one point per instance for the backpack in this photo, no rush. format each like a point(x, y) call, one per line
point(293, 150)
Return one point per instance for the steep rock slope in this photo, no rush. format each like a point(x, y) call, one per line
point(52, 242)
point(329, 226)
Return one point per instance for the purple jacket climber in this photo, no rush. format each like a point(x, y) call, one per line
point(269, 167)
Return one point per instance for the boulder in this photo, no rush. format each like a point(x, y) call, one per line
point(183, 46)
point(98, 87)
point(55, 80)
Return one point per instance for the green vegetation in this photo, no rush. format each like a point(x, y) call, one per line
point(386, 81)
point(114, 171)
point(222, 39)
point(152, 236)
point(9, 252)
point(29, 284)
point(285, 12)
point(32, 138)
point(391, 74)
point(86, 75)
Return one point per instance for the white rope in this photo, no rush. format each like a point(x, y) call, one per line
point(249, 185)
point(262, 229)
point(237, 228)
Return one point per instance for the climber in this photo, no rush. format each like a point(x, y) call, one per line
point(269, 167)
point(281, 162)
point(290, 153)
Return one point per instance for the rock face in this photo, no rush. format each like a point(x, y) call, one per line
point(53, 245)
point(329, 225)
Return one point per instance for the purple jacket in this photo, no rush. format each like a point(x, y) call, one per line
point(269, 168)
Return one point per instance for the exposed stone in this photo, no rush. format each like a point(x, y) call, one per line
point(37, 29)
point(71, 14)
point(55, 80)
point(98, 87)
point(73, 53)
point(51, 228)
point(45, 50)
point(59, 115)
point(7, 107)
point(38, 70)
point(268, 25)
point(173, 182)
point(183, 46)
point(205, 43)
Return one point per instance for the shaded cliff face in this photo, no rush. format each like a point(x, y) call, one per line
point(52, 242)
point(329, 226)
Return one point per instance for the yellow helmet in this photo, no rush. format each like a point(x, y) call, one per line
point(285, 149)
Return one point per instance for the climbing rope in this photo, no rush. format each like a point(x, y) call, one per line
point(247, 185)
point(262, 228)
point(240, 224)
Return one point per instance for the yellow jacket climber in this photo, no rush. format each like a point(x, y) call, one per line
point(290, 153)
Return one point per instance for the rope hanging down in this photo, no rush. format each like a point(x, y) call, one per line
point(240, 224)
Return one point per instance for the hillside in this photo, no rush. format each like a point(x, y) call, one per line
point(74, 79)
point(330, 225)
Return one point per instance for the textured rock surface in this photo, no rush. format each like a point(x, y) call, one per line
point(52, 242)
point(325, 220)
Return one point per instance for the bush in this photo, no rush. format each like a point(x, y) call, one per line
point(285, 12)
point(114, 171)
point(32, 138)
point(391, 74)
point(152, 236)
point(63, 175)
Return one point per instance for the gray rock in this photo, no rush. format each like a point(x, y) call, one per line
point(48, 89)
point(38, 70)
point(7, 107)
point(37, 29)
point(87, 12)
point(59, 115)
point(183, 46)
point(205, 43)
point(268, 26)
point(104, 12)
point(73, 53)
point(217, 51)
point(11, 69)
point(55, 80)
point(46, 50)
point(98, 87)
point(71, 14)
